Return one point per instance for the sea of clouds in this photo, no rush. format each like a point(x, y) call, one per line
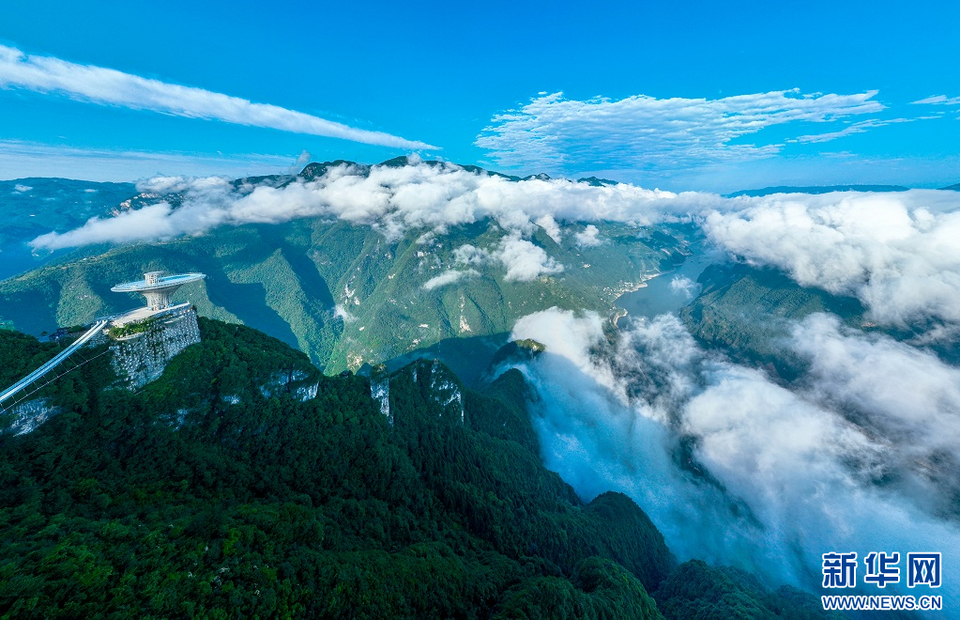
point(391, 199)
point(738, 469)
point(896, 252)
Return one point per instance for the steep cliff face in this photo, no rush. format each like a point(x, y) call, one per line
point(140, 358)
point(296, 382)
point(27, 416)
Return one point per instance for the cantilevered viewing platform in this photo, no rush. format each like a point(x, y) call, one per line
point(158, 290)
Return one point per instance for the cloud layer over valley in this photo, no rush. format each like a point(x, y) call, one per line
point(393, 200)
point(737, 469)
point(896, 252)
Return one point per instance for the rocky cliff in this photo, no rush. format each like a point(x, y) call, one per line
point(140, 358)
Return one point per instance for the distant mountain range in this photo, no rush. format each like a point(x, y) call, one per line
point(825, 189)
point(817, 189)
point(337, 291)
point(340, 292)
point(34, 206)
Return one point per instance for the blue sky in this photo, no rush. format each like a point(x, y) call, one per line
point(707, 96)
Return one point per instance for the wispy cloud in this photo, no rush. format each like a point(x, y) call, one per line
point(589, 237)
point(47, 74)
point(29, 159)
point(451, 276)
point(557, 134)
point(938, 100)
point(853, 128)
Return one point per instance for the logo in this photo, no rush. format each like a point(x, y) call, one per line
point(881, 568)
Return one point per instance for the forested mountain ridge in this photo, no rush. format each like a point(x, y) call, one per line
point(205, 494)
point(748, 311)
point(344, 292)
point(200, 493)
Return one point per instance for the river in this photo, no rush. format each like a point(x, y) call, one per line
point(671, 290)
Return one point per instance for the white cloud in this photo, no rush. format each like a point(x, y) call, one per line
point(896, 252)
point(175, 184)
point(579, 333)
point(588, 237)
point(852, 128)
point(450, 276)
point(127, 227)
point(302, 160)
point(684, 286)
point(902, 393)
point(550, 226)
point(525, 261)
point(46, 74)
point(938, 100)
point(340, 311)
point(393, 200)
point(795, 477)
point(471, 255)
point(552, 133)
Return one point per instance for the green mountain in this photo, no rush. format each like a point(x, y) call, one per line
point(340, 292)
point(696, 590)
point(748, 312)
point(32, 207)
point(596, 181)
point(222, 489)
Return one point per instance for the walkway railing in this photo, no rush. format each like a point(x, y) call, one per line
point(24, 383)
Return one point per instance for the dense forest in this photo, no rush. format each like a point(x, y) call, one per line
point(220, 491)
